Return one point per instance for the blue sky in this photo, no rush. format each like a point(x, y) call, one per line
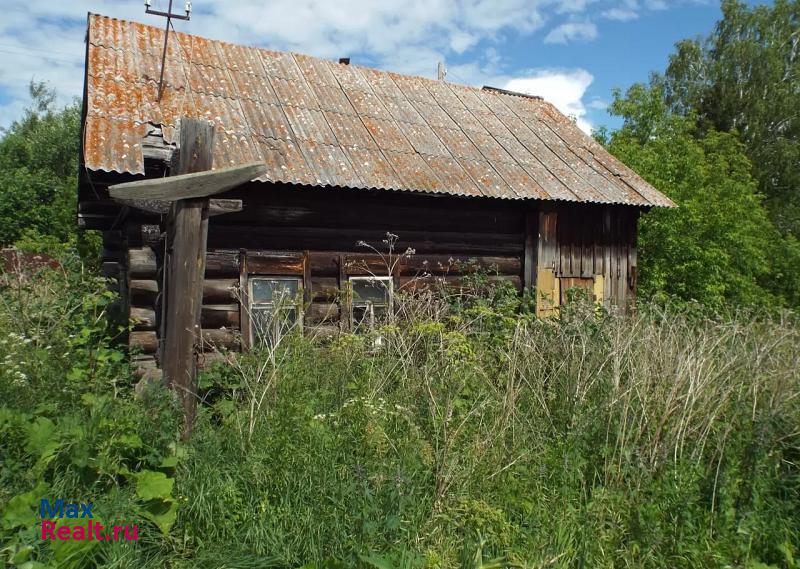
point(572, 52)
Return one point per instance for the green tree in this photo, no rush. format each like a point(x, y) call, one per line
point(718, 246)
point(38, 170)
point(745, 76)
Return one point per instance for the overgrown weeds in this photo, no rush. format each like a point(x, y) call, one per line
point(472, 435)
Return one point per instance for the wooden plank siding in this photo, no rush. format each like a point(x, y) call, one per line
point(318, 236)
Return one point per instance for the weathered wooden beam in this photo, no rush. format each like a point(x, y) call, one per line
point(529, 256)
point(151, 206)
point(188, 228)
point(144, 341)
point(219, 207)
point(200, 184)
point(548, 283)
point(142, 262)
point(143, 318)
point(216, 206)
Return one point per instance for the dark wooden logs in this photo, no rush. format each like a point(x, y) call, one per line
point(143, 292)
point(207, 360)
point(320, 312)
point(327, 239)
point(215, 291)
point(220, 316)
point(275, 263)
point(220, 291)
point(222, 262)
point(142, 262)
point(220, 339)
point(366, 264)
point(413, 284)
point(143, 318)
point(144, 341)
point(284, 206)
point(324, 289)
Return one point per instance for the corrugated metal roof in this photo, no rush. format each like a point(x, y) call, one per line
point(317, 122)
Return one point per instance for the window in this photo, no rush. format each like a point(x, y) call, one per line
point(274, 307)
point(372, 300)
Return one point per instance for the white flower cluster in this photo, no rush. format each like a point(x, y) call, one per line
point(375, 407)
point(13, 364)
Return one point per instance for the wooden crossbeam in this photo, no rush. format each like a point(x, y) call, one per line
point(188, 186)
point(216, 206)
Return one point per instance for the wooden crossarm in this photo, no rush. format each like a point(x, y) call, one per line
point(186, 186)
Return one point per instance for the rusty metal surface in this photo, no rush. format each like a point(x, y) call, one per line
point(318, 122)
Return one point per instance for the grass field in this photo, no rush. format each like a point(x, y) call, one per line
point(472, 436)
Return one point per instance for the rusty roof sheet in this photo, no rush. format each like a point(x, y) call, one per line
point(317, 122)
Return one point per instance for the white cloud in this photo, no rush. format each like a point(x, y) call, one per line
point(572, 31)
point(564, 89)
point(621, 14)
point(44, 38)
point(597, 104)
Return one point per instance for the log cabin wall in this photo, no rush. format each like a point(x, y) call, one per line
point(317, 236)
point(588, 247)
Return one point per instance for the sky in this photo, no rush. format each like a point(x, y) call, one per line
point(571, 52)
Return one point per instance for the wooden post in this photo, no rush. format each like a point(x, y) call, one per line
point(188, 231)
point(186, 196)
point(548, 289)
point(244, 301)
point(529, 261)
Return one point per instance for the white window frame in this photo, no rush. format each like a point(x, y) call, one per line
point(291, 304)
point(368, 304)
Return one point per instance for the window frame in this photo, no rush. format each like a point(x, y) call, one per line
point(354, 303)
point(295, 304)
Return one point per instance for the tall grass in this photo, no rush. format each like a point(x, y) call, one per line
point(660, 439)
point(472, 435)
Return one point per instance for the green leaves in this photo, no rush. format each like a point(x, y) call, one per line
point(38, 163)
point(744, 79)
point(155, 489)
point(21, 509)
point(152, 485)
point(715, 247)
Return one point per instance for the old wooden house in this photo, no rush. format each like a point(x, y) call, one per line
point(463, 176)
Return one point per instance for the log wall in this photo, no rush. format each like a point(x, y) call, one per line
point(325, 236)
point(592, 248)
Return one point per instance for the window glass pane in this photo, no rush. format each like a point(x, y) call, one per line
point(260, 321)
point(370, 290)
point(273, 290)
point(268, 324)
point(361, 316)
point(380, 313)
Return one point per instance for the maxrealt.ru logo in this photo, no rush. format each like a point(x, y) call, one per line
point(90, 530)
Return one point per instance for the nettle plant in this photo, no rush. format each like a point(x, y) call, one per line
point(69, 426)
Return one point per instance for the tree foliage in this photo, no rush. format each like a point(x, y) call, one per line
point(38, 169)
point(745, 77)
point(719, 133)
point(717, 246)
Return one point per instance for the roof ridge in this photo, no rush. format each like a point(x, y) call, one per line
point(293, 53)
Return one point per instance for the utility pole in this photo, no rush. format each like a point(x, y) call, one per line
point(169, 16)
point(187, 195)
point(441, 71)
